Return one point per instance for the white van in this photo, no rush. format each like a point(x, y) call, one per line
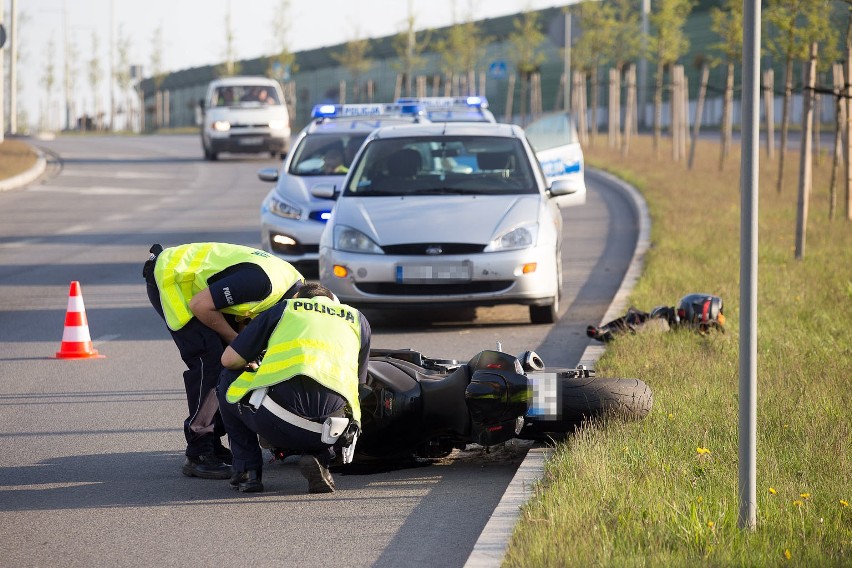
point(244, 115)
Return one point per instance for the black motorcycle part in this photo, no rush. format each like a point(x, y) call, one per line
point(496, 360)
point(580, 395)
point(404, 407)
point(496, 398)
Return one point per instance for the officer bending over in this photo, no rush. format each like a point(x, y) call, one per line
point(200, 290)
point(304, 394)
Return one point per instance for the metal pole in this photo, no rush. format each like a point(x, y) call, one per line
point(567, 64)
point(748, 267)
point(643, 64)
point(13, 70)
point(2, 90)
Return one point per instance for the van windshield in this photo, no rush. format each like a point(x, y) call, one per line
point(245, 96)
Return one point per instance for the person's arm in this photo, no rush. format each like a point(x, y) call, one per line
point(201, 305)
point(364, 352)
point(232, 360)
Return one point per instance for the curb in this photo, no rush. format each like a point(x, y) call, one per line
point(490, 547)
point(28, 176)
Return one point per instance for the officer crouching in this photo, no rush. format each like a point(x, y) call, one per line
point(304, 394)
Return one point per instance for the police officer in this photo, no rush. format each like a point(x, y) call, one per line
point(304, 394)
point(203, 291)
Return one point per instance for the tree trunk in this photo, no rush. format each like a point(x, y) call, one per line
point(785, 119)
point(658, 106)
point(699, 112)
point(727, 115)
point(806, 156)
point(839, 118)
point(629, 109)
point(769, 111)
point(595, 88)
point(510, 95)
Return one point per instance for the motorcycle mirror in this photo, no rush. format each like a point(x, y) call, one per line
point(530, 361)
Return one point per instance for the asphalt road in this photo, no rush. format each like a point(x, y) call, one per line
point(90, 450)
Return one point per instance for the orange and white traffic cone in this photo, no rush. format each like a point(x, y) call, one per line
point(76, 342)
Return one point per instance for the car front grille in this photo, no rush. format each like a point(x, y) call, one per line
point(394, 289)
point(433, 249)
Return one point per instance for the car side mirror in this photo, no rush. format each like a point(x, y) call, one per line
point(562, 187)
point(324, 191)
point(268, 174)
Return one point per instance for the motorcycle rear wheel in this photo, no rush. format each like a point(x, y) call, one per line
point(582, 399)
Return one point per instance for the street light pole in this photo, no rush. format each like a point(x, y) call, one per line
point(13, 70)
point(67, 67)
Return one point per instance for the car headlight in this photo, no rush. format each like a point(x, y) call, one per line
point(517, 238)
point(352, 240)
point(277, 124)
point(283, 208)
point(221, 125)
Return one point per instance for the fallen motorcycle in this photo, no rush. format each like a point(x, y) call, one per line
point(417, 406)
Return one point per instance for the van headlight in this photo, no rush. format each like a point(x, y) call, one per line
point(352, 240)
point(277, 124)
point(221, 125)
point(283, 208)
point(517, 238)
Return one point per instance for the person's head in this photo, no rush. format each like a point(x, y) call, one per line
point(352, 147)
point(314, 289)
point(332, 160)
point(262, 95)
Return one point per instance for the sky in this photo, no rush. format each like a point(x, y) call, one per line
point(193, 33)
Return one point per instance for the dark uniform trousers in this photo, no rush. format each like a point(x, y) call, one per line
point(201, 349)
point(300, 395)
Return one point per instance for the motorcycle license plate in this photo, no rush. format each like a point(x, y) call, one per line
point(438, 272)
point(251, 141)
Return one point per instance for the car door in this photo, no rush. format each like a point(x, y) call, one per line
point(557, 146)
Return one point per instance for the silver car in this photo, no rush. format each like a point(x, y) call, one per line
point(450, 214)
point(291, 219)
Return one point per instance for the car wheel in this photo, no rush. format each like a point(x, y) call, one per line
point(548, 313)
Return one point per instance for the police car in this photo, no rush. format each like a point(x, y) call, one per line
point(455, 213)
point(453, 109)
point(291, 218)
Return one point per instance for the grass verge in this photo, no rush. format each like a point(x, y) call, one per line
point(664, 491)
point(16, 157)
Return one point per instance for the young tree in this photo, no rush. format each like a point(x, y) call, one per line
point(230, 66)
point(526, 40)
point(461, 49)
point(667, 44)
point(49, 81)
point(283, 59)
point(95, 76)
point(727, 23)
point(409, 50)
point(122, 73)
point(354, 59)
point(590, 49)
point(796, 24)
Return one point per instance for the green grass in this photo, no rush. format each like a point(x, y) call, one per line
point(641, 493)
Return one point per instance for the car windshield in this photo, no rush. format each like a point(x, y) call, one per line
point(437, 165)
point(245, 96)
point(325, 154)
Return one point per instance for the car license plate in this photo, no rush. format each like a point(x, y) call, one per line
point(443, 272)
point(251, 141)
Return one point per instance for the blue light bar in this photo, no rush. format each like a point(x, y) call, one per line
point(334, 111)
point(444, 102)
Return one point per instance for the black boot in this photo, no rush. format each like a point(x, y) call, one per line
point(247, 481)
point(318, 476)
point(206, 466)
point(221, 452)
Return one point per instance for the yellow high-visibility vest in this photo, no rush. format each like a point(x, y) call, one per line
point(316, 337)
point(183, 271)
